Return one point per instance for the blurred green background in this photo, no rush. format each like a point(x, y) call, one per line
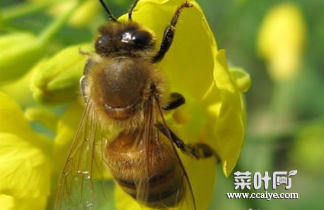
point(285, 123)
point(280, 44)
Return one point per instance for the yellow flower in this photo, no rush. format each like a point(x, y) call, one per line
point(25, 165)
point(281, 40)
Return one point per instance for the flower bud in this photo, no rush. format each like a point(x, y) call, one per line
point(57, 81)
point(18, 54)
point(281, 41)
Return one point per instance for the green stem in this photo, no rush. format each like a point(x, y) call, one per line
point(26, 9)
point(282, 97)
point(48, 33)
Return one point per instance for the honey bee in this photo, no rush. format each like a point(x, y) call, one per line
point(124, 91)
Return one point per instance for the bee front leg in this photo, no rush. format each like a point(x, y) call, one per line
point(169, 34)
point(197, 150)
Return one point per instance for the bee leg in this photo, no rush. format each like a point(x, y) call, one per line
point(176, 100)
point(169, 33)
point(198, 150)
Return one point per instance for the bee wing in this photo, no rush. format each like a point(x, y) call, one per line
point(76, 187)
point(176, 192)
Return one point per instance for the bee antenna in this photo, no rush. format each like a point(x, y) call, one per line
point(111, 16)
point(130, 12)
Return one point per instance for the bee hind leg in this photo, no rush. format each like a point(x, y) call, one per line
point(197, 150)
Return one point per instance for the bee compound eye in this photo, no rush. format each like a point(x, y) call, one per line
point(139, 39)
point(102, 44)
point(142, 38)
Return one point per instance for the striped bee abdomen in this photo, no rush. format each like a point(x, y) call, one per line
point(155, 180)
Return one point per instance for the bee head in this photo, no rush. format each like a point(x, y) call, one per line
point(124, 39)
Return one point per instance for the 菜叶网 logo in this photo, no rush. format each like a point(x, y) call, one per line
point(243, 179)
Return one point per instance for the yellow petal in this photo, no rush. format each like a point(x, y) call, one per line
point(228, 125)
point(188, 65)
point(241, 78)
point(202, 174)
point(190, 121)
point(12, 120)
point(24, 169)
point(123, 201)
point(11, 203)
